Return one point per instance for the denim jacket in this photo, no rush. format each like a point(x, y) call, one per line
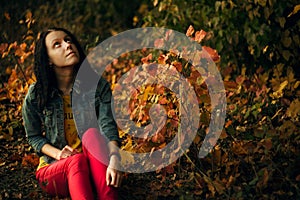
point(46, 125)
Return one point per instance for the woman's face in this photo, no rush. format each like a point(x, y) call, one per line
point(62, 52)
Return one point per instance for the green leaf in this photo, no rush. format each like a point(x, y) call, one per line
point(254, 181)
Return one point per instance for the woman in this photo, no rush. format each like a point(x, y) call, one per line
point(73, 160)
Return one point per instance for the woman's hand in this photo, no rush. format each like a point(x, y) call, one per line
point(66, 152)
point(113, 176)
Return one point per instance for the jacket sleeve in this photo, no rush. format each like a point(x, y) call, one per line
point(106, 120)
point(32, 122)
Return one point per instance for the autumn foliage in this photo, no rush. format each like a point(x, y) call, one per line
point(256, 156)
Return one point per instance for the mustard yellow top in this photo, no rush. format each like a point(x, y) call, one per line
point(70, 130)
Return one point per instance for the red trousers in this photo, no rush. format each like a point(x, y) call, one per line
point(81, 176)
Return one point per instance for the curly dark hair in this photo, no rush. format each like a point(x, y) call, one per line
point(45, 75)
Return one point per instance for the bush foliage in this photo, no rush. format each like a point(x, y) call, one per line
point(251, 33)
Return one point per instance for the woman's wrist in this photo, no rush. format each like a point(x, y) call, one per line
point(115, 154)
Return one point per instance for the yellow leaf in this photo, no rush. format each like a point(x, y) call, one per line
point(278, 70)
point(296, 39)
point(10, 130)
point(290, 75)
point(281, 21)
point(148, 91)
point(294, 109)
point(267, 12)
point(210, 186)
point(7, 136)
point(296, 9)
point(219, 186)
point(128, 145)
point(278, 93)
point(283, 85)
point(286, 41)
point(262, 2)
point(2, 164)
point(297, 84)
point(286, 54)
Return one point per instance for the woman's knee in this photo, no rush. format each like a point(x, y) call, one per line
point(91, 132)
point(78, 162)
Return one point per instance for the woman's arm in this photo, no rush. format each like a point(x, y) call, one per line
point(110, 130)
point(113, 176)
point(105, 113)
point(32, 121)
point(56, 153)
point(33, 127)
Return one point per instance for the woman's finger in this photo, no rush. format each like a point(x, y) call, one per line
point(69, 148)
point(113, 177)
point(116, 179)
point(108, 177)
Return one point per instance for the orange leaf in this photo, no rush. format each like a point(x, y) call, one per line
point(168, 33)
point(228, 123)
point(213, 54)
point(190, 31)
point(159, 43)
point(12, 46)
point(240, 79)
point(3, 47)
point(172, 113)
point(177, 65)
point(223, 134)
point(147, 58)
point(6, 14)
point(163, 100)
point(200, 35)
point(230, 85)
point(28, 16)
point(23, 46)
point(298, 178)
point(267, 143)
point(197, 139)
point(162, 59)
point(19, 52)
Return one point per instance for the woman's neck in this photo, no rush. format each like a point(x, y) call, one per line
point(65, 80)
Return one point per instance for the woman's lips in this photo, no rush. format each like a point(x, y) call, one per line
point(71, 53)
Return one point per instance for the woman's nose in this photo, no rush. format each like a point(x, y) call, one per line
point(67, 45)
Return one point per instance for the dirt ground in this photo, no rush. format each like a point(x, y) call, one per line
point(17, 175)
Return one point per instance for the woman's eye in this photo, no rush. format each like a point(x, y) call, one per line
point(56, 44)
point(68, 40)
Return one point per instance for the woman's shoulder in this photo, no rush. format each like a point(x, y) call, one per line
point(31, 94)
point(30, 101)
